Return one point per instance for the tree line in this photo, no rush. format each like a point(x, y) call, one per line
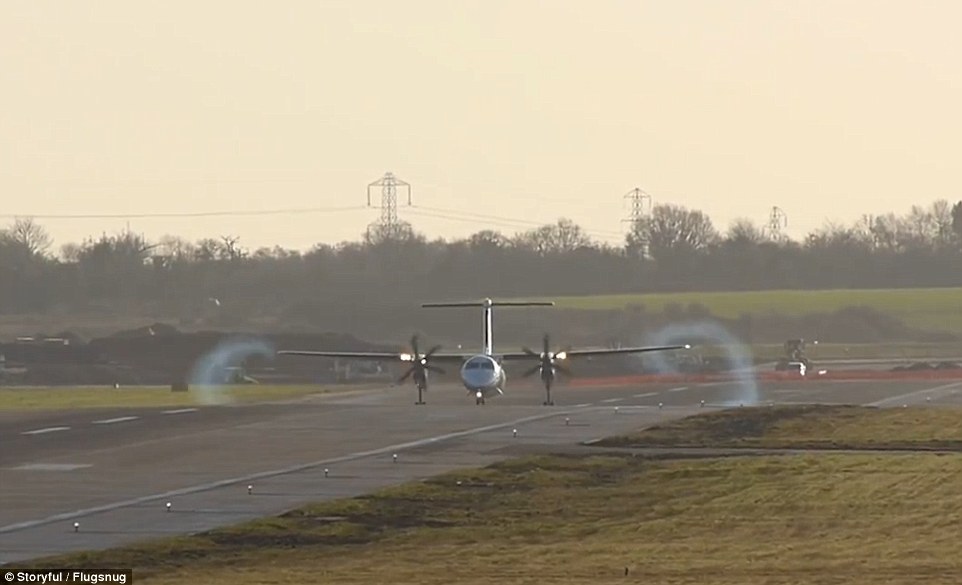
point(673, 248)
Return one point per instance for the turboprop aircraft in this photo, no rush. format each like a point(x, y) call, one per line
point(482, 373)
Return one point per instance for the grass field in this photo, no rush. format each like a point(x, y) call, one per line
point(936, 309)
point(828, 518)
point(814, 426)
point(57, 397)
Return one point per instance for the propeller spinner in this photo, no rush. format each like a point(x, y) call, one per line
point(548, 365)
point(419, 366)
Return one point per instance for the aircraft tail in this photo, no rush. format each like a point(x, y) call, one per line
point(487, 305)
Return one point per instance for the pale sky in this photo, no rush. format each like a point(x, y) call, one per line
point(519, 110)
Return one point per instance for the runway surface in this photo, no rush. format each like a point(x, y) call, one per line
point(113, 471)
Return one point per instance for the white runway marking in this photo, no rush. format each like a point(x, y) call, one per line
point(50, 466)
point(273, 473)
point(646, 394)
point(46, 430)
point(613, 400)
point(582, 405)
point(180, 411)
point(110, 421)
point(902, 397)
point(679, 389)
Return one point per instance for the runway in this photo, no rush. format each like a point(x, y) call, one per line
point(114, 471)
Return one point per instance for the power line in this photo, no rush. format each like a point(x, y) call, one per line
point(455, 215)
point(509, 219)
point(424, 211)
point(513, 223)
point(184, 214)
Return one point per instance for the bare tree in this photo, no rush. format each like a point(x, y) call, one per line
point(176, 248)
point(231, 250)
point(569, 236)
point(487, 240)
point(941, 212)
point(676, 228)
point(922, 226)
point(744, 231)
point(558, 238)
point(29, 235)
point(957, 218)
point(70, 252)
point(382, 234)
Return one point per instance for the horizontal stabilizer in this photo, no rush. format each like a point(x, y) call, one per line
point(490, 303)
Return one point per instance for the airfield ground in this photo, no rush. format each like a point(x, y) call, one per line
point(113, 471)
point(934, 309)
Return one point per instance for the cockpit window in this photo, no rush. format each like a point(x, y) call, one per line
point(479, 364)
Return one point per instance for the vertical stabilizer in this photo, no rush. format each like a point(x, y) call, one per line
point(487, 306)
point(487, 343)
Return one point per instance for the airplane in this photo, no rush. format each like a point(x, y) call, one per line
point(482, 373)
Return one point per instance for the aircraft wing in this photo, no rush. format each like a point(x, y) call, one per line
point(592, 352)
point(371, 355)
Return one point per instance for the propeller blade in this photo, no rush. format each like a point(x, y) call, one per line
point(547, 344)
point(431, 351)
point(531, 371)
point(563, 369)
point(529, 352)
point(414, 347)
point(407, 374)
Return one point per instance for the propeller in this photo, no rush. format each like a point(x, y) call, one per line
point(548, 364)
point(419, 364)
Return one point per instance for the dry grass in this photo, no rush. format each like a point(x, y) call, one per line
point(809, 426)
point(68, 397)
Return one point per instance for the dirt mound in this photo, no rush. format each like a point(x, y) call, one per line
point(160, 354)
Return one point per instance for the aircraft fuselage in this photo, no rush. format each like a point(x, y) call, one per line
point(482, 376)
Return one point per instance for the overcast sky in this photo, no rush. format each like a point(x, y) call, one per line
point(520, 111)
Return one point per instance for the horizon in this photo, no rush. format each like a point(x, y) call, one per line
point(597, 238)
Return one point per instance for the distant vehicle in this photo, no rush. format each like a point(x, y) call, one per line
point(794, 356)
point(482, 374)
point(799, 367)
